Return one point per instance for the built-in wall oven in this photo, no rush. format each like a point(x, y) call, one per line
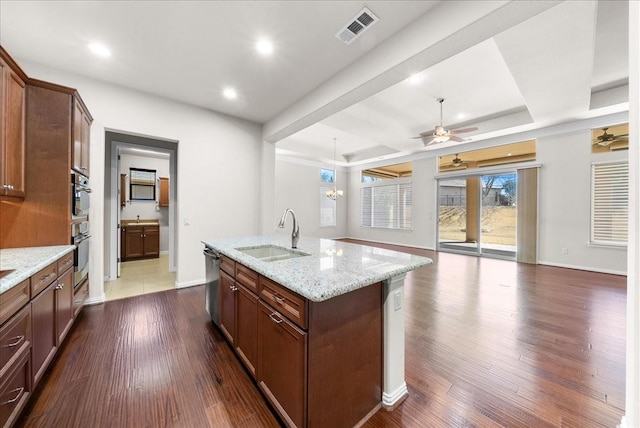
point(80, 232)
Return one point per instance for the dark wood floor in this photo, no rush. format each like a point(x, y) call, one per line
point(488, 343)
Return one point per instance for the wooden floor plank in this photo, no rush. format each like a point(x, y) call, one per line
point(489, 343)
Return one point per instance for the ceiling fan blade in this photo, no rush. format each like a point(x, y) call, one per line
point(461, 131)
point(454, 138)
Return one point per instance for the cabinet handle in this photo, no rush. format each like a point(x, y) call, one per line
point(273, 316)
point(15, 342)
point(14, 399)
point(7, 186)
point(84, 168)
point(59, 286)
point(47, 276)
point(278, 298)
point(233, 288)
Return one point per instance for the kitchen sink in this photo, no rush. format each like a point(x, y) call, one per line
point(5, 272)
point(271, 253)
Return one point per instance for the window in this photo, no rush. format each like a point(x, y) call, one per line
point(387, 206)
point(609, 203)
point(142, 184)
point(327, 205)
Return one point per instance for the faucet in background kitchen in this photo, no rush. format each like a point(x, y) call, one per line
point(138, 221)
point(295, 233)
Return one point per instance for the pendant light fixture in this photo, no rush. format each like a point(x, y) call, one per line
point(334, 193)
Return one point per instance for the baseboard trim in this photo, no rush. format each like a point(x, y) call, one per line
point(96, 300)
point(585, 268)
point(623, 423)
point(193, 283)
point(391, 400)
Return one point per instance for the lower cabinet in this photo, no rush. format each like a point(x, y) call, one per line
point(15, 390)
point(246, 342)
point(282, 365)
point(43, 317)
point(64, 305)
point(139, 242)
point(318, 363)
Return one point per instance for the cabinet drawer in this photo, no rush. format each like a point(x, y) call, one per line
point(65, 262)
point(80, 294)
point(15, 336)
point(15, 390)
point(228, 265)
point(284, 301)
point(150, 229)
point(13, 299)
point(43, 278)
point(247, 277)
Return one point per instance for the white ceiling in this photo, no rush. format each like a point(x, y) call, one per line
point(538, 73)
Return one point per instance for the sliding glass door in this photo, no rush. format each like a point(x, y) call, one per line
point(477, 214)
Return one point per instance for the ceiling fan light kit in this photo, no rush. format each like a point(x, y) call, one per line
point(440, 134)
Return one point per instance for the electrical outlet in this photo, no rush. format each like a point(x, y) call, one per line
point(565, 250)
point(397, 300)
point(187, 222)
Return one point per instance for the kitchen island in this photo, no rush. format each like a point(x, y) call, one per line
point(320, 328)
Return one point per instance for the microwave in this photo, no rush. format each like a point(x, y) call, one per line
point(80, 191)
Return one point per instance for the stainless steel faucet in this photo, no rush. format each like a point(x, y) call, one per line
point(295, 233)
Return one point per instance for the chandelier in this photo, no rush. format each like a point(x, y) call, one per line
point(334, 193)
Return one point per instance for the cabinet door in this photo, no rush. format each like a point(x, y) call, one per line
point(247, 327)
point(164, 192)
point(77, 138)
point(133, 245)
point(43, 334)
point(13, 180)
point(86, 135)
point(64, 305)
point(151, 242)
point(282, 365)
point(227, 306)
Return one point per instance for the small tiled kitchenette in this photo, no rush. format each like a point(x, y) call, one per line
point(44, 227)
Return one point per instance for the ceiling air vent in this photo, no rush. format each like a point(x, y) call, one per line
point(358, 25)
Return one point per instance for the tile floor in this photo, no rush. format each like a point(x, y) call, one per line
point(141, 277)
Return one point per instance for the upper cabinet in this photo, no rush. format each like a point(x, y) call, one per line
point(164, 192)
point(81, 131)
point(12, 127)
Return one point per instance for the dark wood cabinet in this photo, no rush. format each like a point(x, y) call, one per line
point(139, 242)
point(43, 322)
point(64, 305)
point(164, 192)
point(228, 306)
point(12, 127)
point(282, 365)
point(246, 340)
point(81, 134)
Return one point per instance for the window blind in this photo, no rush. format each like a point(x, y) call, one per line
point(387, 206)
point(610, 203)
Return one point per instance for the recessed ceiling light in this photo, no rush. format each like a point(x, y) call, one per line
point(230, 93)
point(99, 49)
point(461, 116)
point(264, 46)
point(414, 79)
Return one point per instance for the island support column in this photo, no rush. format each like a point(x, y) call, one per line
point(394, 388)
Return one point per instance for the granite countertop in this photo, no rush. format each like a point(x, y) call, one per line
point(27, 261)
point(331, 269)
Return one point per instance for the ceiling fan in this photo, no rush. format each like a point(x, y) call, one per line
point(606, 139)
point(440, 134)
point(457, 162)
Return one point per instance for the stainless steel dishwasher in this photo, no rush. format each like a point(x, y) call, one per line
point(212, 285)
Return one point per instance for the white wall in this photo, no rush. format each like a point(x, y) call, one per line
point(147, 209)
point(565, 204)
point(219, 166)
point(424, 210)
point(297, 186)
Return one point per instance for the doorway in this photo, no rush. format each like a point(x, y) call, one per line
point(138, 203)
point(478, 215)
